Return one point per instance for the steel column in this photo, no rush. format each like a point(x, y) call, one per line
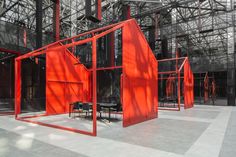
point(56, 20)
point(39, 20)
point(230, 55)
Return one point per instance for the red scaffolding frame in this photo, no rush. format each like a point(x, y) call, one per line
point(188, 82)
point(138, 79)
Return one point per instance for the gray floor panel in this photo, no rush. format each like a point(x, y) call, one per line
point(14, 145)
point(229, 145)
point(163, 134)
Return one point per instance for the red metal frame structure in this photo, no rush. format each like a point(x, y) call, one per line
point(17, 54)
point(188, 82)
point(65, 72)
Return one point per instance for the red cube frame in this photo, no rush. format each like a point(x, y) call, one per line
point(138, 79)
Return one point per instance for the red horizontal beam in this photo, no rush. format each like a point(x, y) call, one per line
point(171, 59)
point(165, 78)
point(9, 51)
point(168, 109)
point(108, 68)
point(185, 60)
point(57, 127)
point(77, 36)
point(32, 116)
point(64, 81)
point(167, 72)
point(30, 55)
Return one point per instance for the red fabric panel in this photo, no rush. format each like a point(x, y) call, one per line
point(213, 88)
point(67, 81)
point(139, 77)
point(188, 86)
point(170, 84)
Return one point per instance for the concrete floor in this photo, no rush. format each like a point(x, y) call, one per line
point(203, 131)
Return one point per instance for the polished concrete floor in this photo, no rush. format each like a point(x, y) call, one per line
point(203, 131)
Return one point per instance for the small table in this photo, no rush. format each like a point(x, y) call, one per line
point(109, 106)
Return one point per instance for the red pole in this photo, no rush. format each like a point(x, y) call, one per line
point(179, 90)
point(99, 10)
point(128, 12)
point(112, 48)
point(94, 62)
point(176, 68)
point(9, 51)
point(25, 38)
point(17, 87)
point(177, 57)
point(57, 20)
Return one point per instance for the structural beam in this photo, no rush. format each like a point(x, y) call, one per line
point(39, 20)
point(126, 14)
point(89, 12)
point(230, 57)
point(146, 1)
point(6, 10)
point(56, 20)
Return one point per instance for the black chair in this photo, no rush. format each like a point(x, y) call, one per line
point(99, 110)
point(173, 100)
point(162, 101)
point(117, 108)
point(86, 108)
point(77, 108)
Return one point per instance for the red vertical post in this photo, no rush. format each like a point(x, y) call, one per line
point(157, 89)
point(73, 48)
point(206, 88)
point(177, 70)
point(192, 76)
point(112, 48)
point(57, 20)
point(25, 37)
point(121, 88)
point(94, 62)
point(128, 12)
point(17, 87)
point(177, 57)
point(179, 91)
point(99, 10)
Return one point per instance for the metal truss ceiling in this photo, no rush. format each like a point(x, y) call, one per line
point(198, 26)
